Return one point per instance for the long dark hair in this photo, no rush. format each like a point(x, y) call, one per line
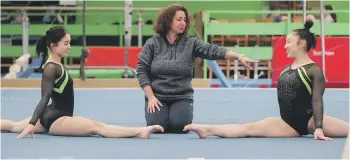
point(52, 36)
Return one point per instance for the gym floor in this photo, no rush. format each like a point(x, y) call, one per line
point(126, 107)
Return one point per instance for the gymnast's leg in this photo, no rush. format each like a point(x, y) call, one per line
point(332, 127)
point(268, 127)
point(345, 154)
point(80, 126)
point(17, 127)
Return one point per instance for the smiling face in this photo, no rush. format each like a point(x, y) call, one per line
point(62, 47)
point(178, 24)
point(294, 45)
point(300, 41)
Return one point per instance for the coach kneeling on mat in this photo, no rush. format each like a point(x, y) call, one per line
point(165, 69)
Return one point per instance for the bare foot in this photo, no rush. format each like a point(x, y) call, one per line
point(146, 131)
point(201, 130)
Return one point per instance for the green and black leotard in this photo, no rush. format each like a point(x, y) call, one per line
point(300, 94)
point(56, 84)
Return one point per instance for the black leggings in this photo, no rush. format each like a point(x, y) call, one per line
point(173, 115)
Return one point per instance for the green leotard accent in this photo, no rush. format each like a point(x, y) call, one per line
point(305, 78)
point(61, 82)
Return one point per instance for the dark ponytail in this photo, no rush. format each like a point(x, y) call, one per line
point(42, 50)
point(52, 36)
point(307, 35)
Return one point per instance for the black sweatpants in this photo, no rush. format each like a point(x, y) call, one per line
point(173, 115)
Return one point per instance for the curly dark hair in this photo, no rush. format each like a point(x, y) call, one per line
point(165, 17)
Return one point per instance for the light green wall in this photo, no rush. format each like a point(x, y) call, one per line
point(193, 7)
point(340, 5)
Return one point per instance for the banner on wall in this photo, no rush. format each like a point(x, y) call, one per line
point(112, 56)
point(337, 59)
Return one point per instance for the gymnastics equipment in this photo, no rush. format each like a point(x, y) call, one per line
point(322, 40)
point(25, 35)
point(217, 71)
point(128, 9)
point(128, 31)
point(85, 51)
point(226, 82)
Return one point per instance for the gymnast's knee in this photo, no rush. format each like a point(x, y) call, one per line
point(97, 128)
point(250, 130)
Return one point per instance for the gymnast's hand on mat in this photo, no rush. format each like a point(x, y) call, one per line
point(318, 135)
point(152, 104)
point(29, 129)
point(247, 62)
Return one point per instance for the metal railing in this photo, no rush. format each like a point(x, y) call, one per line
point(268, 28)
point(209, 28)
point(128, 11)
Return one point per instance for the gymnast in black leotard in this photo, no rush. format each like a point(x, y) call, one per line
point(61, 93)
point(300, 93)
point(300, 96)
point(57, 118)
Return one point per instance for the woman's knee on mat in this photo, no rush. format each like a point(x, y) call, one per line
point(178, 128)
point(177, 124)
point(164, 123)
point(158, 118)
point(180, 115)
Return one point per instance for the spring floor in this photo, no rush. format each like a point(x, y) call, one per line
point(126, 107)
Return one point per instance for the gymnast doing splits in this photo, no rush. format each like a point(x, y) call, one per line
point(57, 118)
point(300, 90)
